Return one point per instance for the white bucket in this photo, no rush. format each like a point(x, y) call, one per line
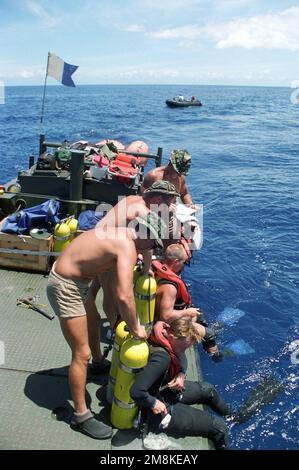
point(97, 172)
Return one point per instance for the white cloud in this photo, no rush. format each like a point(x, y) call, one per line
point(48, 20)
point(183, 32)
point(26, 73)
point(149, 73)
point(155, 73)
point(268, 31)
point(133, 28)
point(169, 5)
point(31, 72)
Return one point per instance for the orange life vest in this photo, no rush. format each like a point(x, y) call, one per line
point(183, 298)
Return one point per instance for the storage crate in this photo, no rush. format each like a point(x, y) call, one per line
point(26, 262)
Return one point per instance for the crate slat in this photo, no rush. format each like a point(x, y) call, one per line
point(22, 261)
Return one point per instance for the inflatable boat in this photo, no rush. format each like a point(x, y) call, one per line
point(176, 103)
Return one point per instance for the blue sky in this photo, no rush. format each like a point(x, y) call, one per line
point(243, 42)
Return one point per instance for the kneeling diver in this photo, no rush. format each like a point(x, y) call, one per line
point(161, 387)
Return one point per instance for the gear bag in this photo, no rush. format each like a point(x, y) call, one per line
point(44, 215)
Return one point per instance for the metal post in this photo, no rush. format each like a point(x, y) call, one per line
point(31, 161)
point(76, 174)
point(159, 156)
point(44, 96)
point(42, 146)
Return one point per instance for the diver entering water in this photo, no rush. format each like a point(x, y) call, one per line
point(161, 387)
point(174, 300)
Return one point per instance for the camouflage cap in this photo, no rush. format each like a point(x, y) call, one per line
point(162, 187)
point(181, 161)
point(155, 225)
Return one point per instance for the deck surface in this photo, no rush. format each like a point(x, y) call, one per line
point(36, 406)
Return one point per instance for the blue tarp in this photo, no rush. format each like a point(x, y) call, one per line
point(44, 215)
point(89, 219)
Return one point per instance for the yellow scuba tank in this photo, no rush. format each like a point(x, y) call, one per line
point(133, 357)
point(145, 299)
point(72, 223)
point(121, 335)
point(61, 236)
point(136, 273)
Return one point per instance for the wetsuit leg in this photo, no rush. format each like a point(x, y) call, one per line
point(188, 421)
point(206, 394)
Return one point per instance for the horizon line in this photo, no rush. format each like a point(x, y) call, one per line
point(150, 84)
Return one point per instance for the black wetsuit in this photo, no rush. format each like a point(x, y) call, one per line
point(185, 420)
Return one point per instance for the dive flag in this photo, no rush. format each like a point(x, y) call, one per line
point(60, 70)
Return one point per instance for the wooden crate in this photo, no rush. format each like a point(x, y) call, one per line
point(25, 261)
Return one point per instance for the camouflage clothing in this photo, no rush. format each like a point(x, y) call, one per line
point(162, 187)
point(181, 161)
point(155, 225)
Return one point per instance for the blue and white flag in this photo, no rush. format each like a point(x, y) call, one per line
point(60, 70)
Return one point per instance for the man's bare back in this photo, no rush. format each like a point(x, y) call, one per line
point(163, 173)
point(95, 252)
point(124, 212)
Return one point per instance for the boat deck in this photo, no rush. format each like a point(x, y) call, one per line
point(35, 406)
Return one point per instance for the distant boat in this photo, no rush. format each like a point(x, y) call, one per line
point(181, 102)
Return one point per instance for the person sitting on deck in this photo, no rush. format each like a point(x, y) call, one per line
point(173, 300)
point(161, 387)
point(181, 98)
point(93, 252)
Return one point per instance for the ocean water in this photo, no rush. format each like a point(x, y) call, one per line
point(245, 147)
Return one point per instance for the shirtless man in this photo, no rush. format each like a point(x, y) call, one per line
point(174, 172)
point(154, 197)
point(124, 213)
point(92, 253)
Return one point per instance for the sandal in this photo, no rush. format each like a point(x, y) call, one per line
point(93, 428)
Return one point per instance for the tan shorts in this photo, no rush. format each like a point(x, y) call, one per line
point(66, 297)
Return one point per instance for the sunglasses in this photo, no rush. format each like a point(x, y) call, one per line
point(185, 262)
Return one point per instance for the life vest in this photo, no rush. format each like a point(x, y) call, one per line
point(167, 276)
point(159, 338)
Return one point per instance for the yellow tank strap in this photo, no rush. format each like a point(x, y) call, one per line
point(130, 370)
point(121, 404)
point(61, 238)
point(112, 380)
point(145, 297)
point(116, 346)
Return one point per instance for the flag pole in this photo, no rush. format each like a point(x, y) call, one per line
point(42, 136)
point(44, 93)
